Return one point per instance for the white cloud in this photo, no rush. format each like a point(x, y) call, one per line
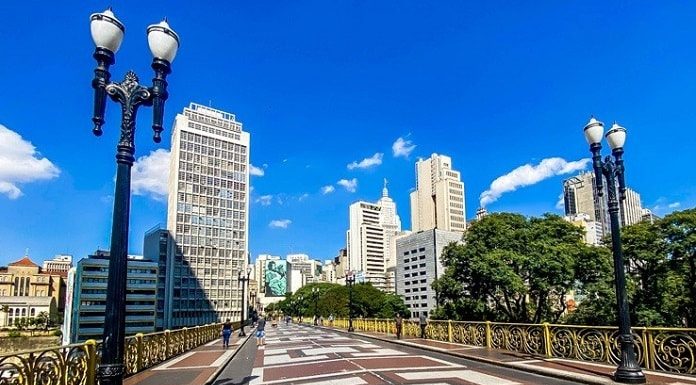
point(303, 197)
point(560, 203)
point(265, 200)
point(350, 185)
point(403, 147)
point(674, 205)
point(280, 223)
point(374, 160)
point(328, 189)
point(528, 175)
point(21, 163)
point(151, 174)
point(255, 171)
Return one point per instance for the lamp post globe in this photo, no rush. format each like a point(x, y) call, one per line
point(107, 33)
point(628, 370)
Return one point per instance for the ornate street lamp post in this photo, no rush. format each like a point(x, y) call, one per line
point(628, 370)
point(107, 32)
point(243, 279)
point(315, 294)
point(350, 281)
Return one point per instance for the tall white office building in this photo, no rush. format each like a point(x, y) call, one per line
point(208, 214)
point(631, 208)
point(438, 201)
point(370, 239)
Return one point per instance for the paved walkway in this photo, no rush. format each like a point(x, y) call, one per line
point(196, 367)
point(592, 373)
point(313, 356)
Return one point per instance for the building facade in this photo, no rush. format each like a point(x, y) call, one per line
point(159, 247)
point(438, 200)
point(88, 300)
point(60, 264)
point(593, 230)
point(631, 208)
point(26, 290)
point(208, 214)
point(418, 264)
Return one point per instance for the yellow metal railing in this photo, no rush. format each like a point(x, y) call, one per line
point(76, 364)
point(663, 349)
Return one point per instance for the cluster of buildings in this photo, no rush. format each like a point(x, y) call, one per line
point(189, 271)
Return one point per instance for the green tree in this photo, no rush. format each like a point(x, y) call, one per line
point(515, 269)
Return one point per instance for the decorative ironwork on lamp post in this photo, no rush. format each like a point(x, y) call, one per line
point(107, 32)
point(628, 371)
point(243, 279)
point(350, 281)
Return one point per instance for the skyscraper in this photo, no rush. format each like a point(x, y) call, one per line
point(370, 239)
point(631, 208)
point(438, 201)
point(208, 214)
point(580, 197)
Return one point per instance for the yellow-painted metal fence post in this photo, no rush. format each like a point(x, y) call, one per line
point(376, 326)
point(547, 340)
point(185, 338)
point(90, 375)
point(167, 344)
point(648, 349)
point(489, 335)
point(449, 330)
point(139, 352)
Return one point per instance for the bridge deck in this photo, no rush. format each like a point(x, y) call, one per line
point(297, 354)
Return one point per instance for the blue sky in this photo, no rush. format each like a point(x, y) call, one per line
point(320, 85)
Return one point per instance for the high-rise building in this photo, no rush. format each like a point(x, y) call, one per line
point(159, 246)
point(580, 197)
point(370, 239)
point(631, 208)
point(438, 200)
point(208, 214)
point(271, 275)
point(88, 299)
point(419, 264)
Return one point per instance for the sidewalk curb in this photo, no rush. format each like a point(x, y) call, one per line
point(582, 378)
point(222, 367)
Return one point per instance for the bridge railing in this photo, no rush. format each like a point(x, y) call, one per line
point(662, 349)
point(76, 364)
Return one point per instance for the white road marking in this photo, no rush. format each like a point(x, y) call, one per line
point(223, 358)
point(380, 352)
point(285, 359)
point(317, 351)
point(466, 375)
point(257, 373)
point(342, 381)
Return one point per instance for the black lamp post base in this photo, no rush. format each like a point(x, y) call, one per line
point(351, 329)
point(111, 374)
point(241, 332)
point(629, 376)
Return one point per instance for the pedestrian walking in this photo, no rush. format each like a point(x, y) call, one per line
point(331, 319)
point(261, 332)
point(423, 322)
point(226, 333)
point(399, 324)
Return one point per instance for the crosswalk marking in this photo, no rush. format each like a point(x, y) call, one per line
point(466, 375)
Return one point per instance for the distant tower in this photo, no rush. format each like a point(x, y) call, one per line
point(438, 201)
point(480, 213)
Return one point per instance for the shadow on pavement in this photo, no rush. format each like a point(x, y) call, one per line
point(244, 380)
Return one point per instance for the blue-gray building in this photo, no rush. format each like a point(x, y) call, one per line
point(159, 246)
point(88, 301)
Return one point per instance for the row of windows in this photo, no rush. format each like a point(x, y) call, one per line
point(415, 274)
point(224, 133)
point(226, 172)
point(212, 152)
point(414, 251)
point(197, 138)
point(414, 282)
point(229, 188)
point(406, 260)
point(415, 289)
point(415, 297)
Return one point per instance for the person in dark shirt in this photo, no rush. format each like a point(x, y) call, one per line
point(399, 324)
point(423, 322)
point(226, 333)
point(260, 332)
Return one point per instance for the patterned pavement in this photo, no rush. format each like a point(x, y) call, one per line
point(304, 355)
